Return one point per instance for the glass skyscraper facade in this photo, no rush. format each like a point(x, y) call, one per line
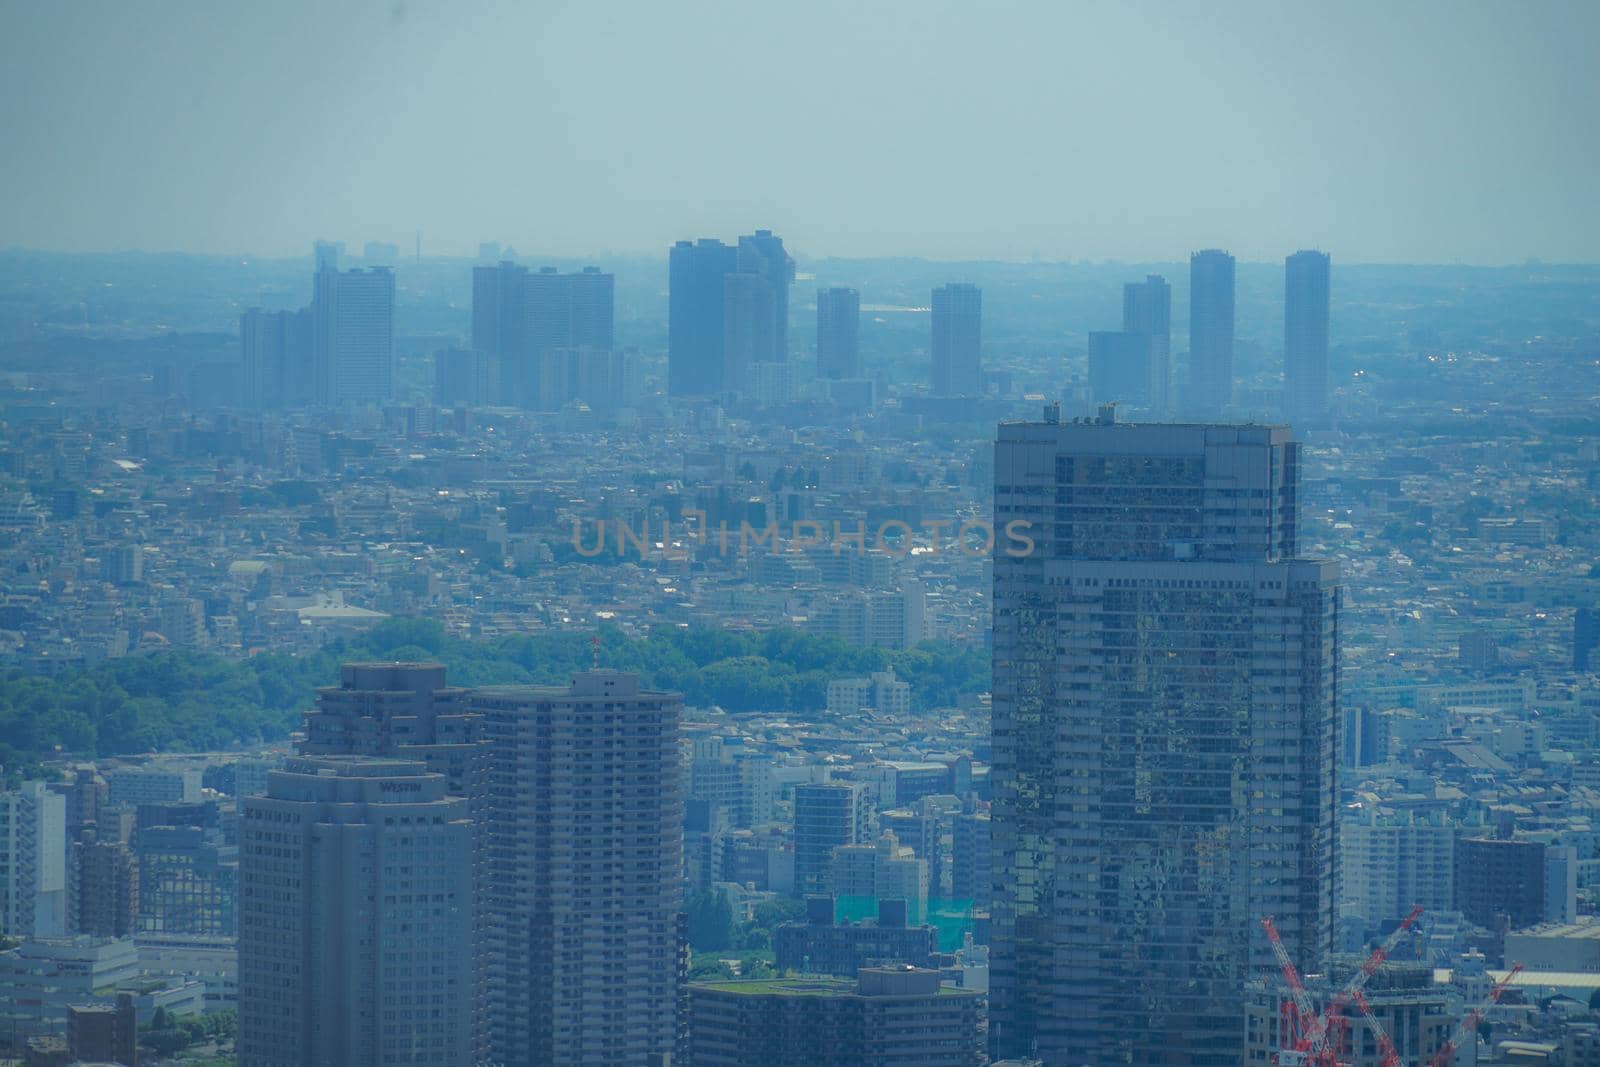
point(1164, 719)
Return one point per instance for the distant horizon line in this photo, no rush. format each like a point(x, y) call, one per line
point(1042, 261)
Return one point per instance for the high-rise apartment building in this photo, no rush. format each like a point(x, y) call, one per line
point(352, 326)
point(826, 815)
point(1210, 333)
point(275, 359)
point(1305, 336)
point(355, 945)
point(695, 315)
point(957, 340)
point(584, 847)
point(500, 324)
point(838, 333)
point(1164, 722)
point(520, 316)
point(1147, 309)
point(33, 861)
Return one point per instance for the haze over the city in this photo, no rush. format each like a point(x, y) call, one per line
point(1380, 132)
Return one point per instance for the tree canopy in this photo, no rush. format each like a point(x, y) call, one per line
point(181, 701)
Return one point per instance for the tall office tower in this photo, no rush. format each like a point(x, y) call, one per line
point(356, 933)
point(1305, 336)
point(352, 322)
point(1210, 332)
point(762, 254)
point(749, 335)
point(276, 359)
point(957, 340)
point(188, 872)
point(825, 816)
point(1147, 308)
point(106, 886)
point(584, 837)
point(1119, 367)
point(695, 316)
point(500, 323)
point(1165, 717)
point(838, 327)
point(33, 861)
point(400, 710)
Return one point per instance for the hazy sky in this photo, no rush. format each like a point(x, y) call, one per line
point(1378, 131)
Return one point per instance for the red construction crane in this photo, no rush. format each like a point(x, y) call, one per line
point(1386, 1050)
point(1469, 1023)
point(1305, 1032)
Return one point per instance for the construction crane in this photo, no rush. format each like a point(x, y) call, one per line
point(1387, 1054)
point(1470, 1022)
point(1305, 1032)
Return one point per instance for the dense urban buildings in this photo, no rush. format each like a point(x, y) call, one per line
point(1165, 699)
point(957, 347)
point(188, 564)
point(1305, 337)
point(356, 940)
point(1211, 333)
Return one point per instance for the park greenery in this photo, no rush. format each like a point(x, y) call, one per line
point(184, 701)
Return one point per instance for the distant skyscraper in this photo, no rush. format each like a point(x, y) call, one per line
point(728, 311)
point(749, 304)
point(276, 359)
point(1119, 366)
point(355, 946)
point(1165, 674)
point(695, 315)
point(838, 327)
point(957, 340)
point(763, 254)
point(584, 836)
point(518, 316)
point(500, 325)
point(1147, 308)
point(1210, 332)
point(352, 315)
point(1305, 335)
